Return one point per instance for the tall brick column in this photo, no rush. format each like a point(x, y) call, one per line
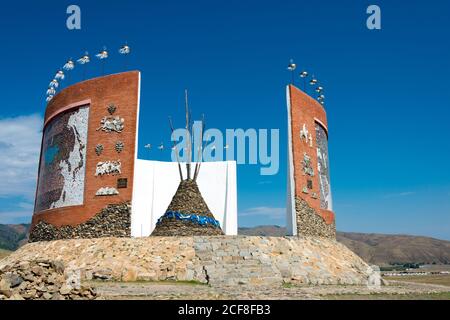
point(87, 159)
point(309, 207)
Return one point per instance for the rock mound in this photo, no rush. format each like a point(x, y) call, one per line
point(187, 214)
point(217, 260)
point(41, 280)
point(112, 221)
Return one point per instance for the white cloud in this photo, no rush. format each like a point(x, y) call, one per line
point(399, 194)
point(266, 212)
point(20, 142)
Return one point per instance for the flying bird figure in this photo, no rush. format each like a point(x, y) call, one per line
point(125, 49)
point(148, 146)
point(84, 59)
point(50, 97)
point(161, 146)
point(51, 91)
point(304, 75)
point(69, 65)
point(291, 66)
point(54, 84)
point(59, 75)
point(102, 54)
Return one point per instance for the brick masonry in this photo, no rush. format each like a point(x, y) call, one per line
point(122, 90)
point(306, 110)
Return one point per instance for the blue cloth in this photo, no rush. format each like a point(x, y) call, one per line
point(192, 217)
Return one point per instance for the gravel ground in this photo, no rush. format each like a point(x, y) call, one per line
point(192, 291)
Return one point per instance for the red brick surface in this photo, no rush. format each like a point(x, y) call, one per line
point(122, 90)
point(306, 110)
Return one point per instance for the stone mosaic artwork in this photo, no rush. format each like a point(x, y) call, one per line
point(112, 124)
point(106, 191)
point(108, 167)
point(323, 168)
point(99, 149)
point(307, 165)
point(63, 160)
point(119, 146)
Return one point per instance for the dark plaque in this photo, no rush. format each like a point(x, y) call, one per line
point(122, 183)
point(309, 184)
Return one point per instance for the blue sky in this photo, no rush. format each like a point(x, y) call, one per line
point(387, 93)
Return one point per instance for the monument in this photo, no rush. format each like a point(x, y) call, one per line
point(91, 183)
point(309, 204)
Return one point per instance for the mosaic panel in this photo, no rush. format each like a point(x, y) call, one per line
point(323, 168)
point(63, 161)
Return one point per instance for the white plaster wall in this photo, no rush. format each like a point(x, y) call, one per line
point(156, 182)
point(291, 221)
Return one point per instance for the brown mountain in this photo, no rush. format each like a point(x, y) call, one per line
point(13, 236)
point(380, 249)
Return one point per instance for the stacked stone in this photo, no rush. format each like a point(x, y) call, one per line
point(310, 223)
point(40, 280)
point(216, 260)
point(187, 201)
point(112, 221)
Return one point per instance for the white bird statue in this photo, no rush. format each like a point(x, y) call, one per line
point(125, 49)
point(54, 84)
point(102, 54)
point(69, 65)
point(291, 65)
point(51, 91)
point(50, 97)
point(59, 75)
point(84, 59)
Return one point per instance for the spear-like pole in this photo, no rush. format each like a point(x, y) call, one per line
point(200, 150)
point(176, 149)
point(188, 138)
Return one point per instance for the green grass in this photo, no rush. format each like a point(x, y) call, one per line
point(288, 285)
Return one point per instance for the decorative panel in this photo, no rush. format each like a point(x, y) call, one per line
point(63, 161)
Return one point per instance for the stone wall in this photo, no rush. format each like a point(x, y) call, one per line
point(112, 221)
point(219, 260)
point(309, 223)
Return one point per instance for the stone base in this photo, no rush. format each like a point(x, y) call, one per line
point(310, 223)
point(217, 260)
point(112, 221)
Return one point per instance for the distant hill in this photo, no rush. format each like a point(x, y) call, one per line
point(12, 236)
point(380, 249)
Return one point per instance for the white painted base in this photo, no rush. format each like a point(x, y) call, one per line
point(156, 182)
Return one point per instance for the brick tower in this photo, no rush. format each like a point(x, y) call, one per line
point(87, 160)
point(309, 207)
